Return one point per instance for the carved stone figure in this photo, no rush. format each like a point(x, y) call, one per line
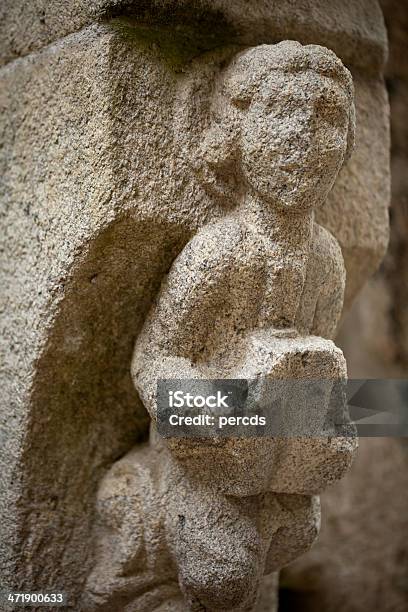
point(256, 293)
point(128, 138)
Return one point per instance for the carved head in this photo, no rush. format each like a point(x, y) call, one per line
point(283, 125)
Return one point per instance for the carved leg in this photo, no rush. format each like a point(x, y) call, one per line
point(166, 537)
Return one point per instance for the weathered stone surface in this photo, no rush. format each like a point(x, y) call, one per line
point(85, 142)
point(354, 29)
point(155, 527)
point(281, 125)
point(396, 265)
point(98, 200)
point(361, 559)
point(362, 191)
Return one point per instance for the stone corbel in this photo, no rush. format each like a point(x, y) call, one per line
point(256, 293)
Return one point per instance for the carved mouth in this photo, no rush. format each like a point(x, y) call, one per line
point(290, 166)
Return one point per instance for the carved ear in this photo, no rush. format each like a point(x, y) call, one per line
point(217, 160)
point(239, 88)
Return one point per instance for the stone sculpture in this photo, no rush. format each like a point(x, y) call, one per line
point(108, 112)
point(256, 293)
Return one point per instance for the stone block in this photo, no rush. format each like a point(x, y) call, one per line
point(86, 157)
point(354, 29)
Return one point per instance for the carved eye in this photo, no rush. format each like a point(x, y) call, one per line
point(329, 110)
point(241, 103)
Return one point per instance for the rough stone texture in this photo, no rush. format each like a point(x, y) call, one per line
point(396, 264)
point(365, 198)
point(86, 249)
point(98, 200)
point(157, 530)
point(361, 559)
point(280, 128)
point(354, 29)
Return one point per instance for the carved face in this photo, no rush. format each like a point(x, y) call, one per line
point(294, 138)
